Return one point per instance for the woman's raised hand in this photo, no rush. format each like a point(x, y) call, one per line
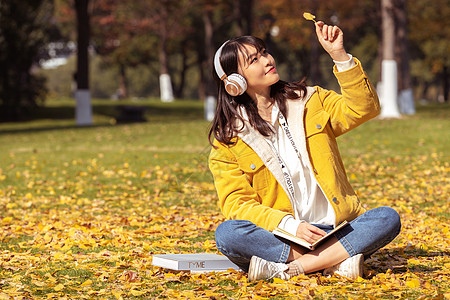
point(332, 40)
point(309, 233)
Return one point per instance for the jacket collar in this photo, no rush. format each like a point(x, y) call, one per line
point(258, 143)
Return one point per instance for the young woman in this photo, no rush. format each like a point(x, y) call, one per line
point(275, 162)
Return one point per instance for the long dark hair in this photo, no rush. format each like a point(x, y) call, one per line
point(223, 127)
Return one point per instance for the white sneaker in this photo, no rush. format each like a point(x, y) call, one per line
point(263, 269)
point(352, 267)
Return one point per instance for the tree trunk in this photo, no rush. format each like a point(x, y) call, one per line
point(184, 67)
point(201, 90)
point(445, 83)
point(123, 82)
point(238, 16)
point(389, 79)
point(388, 27)
point(83, 112)
point(210, 101)
point(165, 83)
point(406, 97)
point(243, 12)
point(424, 93)
point(247, 8)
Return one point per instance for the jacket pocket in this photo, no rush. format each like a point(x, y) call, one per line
point(254, 170)
point(316, 123)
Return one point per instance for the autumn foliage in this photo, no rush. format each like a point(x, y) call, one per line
point(82, 211)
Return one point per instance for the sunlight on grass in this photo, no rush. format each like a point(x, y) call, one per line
point(84, 209)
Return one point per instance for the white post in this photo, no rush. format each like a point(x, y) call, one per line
point(83, 111)
point(210, 105)
point(165, 86)
point(389, 85)
point(388, 99)
point(406, 102)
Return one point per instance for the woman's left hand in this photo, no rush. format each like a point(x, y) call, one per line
point(332, 40)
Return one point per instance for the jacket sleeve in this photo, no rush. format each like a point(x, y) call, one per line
point(237, 197)
point(357, 103)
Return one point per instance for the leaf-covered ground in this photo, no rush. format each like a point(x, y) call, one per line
point(82, 211)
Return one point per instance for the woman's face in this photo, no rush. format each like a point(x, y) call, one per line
point(258, 68)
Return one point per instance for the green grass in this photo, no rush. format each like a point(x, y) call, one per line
point(92, 202)
point(174, 135)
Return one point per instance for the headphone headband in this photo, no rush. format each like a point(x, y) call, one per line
point(235, 84)
point(217, 64)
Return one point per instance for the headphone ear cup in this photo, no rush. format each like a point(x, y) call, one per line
point(235, 84)
point(231, 88)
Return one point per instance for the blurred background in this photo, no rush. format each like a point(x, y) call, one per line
point(139, 49)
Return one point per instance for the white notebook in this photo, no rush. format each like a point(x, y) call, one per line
point(199, 262)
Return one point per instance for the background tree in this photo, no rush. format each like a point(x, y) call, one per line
point(389, 91)
point(123, 37)
point(138, 32)
point(25, 27)
point(83, 112)
point(429, 38)
point(129, 38)
point(210, 99)
point(405, 97)
point(163, 24)
point(297, 51)
point(243, 11)
point(218, 22)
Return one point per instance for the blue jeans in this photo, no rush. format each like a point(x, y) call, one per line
point(239, 240)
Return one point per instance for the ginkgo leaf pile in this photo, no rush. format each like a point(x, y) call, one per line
point(82, 211)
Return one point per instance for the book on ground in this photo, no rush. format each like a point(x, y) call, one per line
point(286, 235)
point(199, 262)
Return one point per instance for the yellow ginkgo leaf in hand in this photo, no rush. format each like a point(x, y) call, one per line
point(309, 16)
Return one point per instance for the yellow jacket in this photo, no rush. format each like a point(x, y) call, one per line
point(248, 176)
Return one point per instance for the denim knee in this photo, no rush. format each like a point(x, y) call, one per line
point(370, 231)
point(396, 221)
point(226, 234)
point(229, 242)
point(391, 219)
point(222, 235)
point(239, 240)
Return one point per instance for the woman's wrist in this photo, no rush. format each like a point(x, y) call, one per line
point(340, 56)
point(345, 65)
point(290, 224)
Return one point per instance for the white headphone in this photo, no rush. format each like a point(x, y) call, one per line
point(235, 84)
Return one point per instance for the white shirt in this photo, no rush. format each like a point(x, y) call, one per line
point(310, 204)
